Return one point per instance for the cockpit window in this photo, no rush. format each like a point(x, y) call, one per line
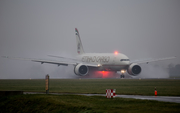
point(124, 60)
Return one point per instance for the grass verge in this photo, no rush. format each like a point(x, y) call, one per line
point(81, 104)
point(165, 87)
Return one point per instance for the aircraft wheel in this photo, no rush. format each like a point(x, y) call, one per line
point(122, 76)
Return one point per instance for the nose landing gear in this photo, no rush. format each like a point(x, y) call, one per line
point(122, 74)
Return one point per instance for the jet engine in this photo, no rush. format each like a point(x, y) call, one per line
point(81, 70)
point(134, 69)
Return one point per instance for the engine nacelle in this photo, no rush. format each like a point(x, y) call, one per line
point(134, 69)
point(81, 70)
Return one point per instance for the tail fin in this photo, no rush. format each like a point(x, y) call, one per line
point(80, 49)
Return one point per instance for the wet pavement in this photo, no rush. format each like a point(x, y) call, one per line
point(174, 99)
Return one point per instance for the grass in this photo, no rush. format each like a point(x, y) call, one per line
point(81, 104)
point(86, 104)
point(165, 87)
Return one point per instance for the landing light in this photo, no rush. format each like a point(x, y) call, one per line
point(122, 71)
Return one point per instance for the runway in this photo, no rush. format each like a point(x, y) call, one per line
point(156, 98)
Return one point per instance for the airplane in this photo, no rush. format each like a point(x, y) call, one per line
point(84, 63)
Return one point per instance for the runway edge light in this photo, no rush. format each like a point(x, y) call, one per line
point(155, 92)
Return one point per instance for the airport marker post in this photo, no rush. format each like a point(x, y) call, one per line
point(47, 84)
point(155, 92)
point(110, 93)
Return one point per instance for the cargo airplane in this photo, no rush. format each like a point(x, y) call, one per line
point(84, 63)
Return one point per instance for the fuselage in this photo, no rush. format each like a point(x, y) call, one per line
point(106, 61)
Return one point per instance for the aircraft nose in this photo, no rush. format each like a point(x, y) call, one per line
point(126, 63)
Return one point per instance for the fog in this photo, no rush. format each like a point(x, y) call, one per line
point(153, 71)
point(35, 29)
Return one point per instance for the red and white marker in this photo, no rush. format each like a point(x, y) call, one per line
point(110, 93)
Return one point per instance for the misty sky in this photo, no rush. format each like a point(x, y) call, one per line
point(37, 28)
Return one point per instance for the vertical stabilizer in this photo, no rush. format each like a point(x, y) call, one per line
point(80, 49)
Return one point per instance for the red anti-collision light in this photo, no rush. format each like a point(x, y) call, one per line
point(116, 52)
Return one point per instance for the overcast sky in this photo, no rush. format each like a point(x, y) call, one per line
point(37, 28)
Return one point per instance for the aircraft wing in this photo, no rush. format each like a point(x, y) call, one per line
point(152, 60)
point(53, 62)
point(64, 63)
point(42, 61)
point(62, 57)
point(77, 61)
